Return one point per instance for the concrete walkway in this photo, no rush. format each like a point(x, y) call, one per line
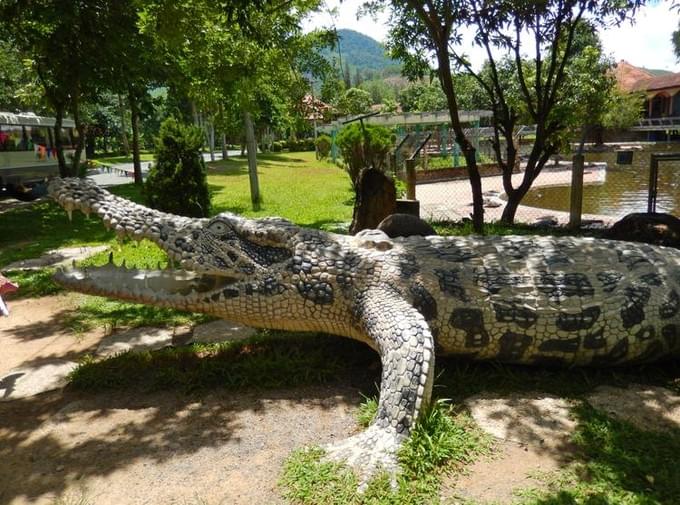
point(452, 200)
point(123, 173)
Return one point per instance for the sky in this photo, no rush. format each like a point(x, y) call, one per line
point(647, 43)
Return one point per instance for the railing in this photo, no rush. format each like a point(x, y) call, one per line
point(657, 124)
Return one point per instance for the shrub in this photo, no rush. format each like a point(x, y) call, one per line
point(323, 145)
point(294, 145)
point(359, 151)
point(277, 146)
point(177, 181)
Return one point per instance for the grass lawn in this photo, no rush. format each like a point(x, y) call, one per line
point(296, 186)
point(28, 232)
point(113, 160)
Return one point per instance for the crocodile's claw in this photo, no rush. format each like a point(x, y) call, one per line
point(369, 453)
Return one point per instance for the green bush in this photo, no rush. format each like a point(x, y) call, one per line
point(361, 151)
point(323, 145)
point(277, 146)
point(294, 145)
point(298, 145)
point(177, 181)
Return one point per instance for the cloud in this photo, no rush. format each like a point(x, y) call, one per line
point(347, 18)
point(646, 43)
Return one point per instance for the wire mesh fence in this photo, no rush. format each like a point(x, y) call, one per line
point(615, 181)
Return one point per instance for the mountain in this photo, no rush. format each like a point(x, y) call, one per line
point(362, 52)
point(657, 72)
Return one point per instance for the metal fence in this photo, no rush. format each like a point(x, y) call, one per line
point(616, 181)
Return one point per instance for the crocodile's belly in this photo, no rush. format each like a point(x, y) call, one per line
point(560, 301)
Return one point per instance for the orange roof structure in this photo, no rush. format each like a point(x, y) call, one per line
point(630, 77)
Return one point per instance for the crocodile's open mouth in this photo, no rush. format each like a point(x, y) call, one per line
point(140, 284)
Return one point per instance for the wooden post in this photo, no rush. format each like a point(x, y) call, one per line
point(576, 194)
point(411, 179)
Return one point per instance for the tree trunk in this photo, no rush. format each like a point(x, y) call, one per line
point(468, 149)
point(211, 136)
point(136, 161)
point(252, 160)
point(64, 170)
point(123, 128)
point(510, 209)
point(225, 147)
point(81, 139)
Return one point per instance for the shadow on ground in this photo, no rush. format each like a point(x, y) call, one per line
point(54, 440)
point(171, 415)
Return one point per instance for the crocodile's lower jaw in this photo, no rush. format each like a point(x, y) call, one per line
point(173, 288)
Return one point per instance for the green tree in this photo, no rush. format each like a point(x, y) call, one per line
point(354, 101)
point(62, 41)
point(332, 88)
point(379, 90)
point(504, 31)
point(248, 70)
point(364, 147)
point(19, 86)
point(357, 78)
point(347, 76)
point(177, 182)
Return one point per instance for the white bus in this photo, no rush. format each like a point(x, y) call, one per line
point(27, 153)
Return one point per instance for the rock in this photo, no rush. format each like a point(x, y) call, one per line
point(405, 225)
point(647, 407)
point(546, 221)
point(535, 419)
point(220, 331)
point(29, 381)
point(144, 338)
point(56, 257)
point(659, 229)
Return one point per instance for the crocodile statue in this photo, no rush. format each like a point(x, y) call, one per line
point(558, 301)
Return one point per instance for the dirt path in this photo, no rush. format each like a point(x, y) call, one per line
point(33, 334)
point(160, 448)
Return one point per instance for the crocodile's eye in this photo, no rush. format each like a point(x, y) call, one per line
point(217, 227)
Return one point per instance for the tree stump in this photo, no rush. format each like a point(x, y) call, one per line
point(376, 199)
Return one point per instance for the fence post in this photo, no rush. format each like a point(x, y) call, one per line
point(411, 179)
point(653, 181)
point(576, 193)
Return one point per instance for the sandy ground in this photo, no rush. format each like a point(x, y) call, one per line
point(452, 200)
point(161, 448)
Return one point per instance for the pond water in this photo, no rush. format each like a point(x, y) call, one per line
point(624, 190)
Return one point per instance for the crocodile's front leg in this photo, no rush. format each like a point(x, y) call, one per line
point(407, 353)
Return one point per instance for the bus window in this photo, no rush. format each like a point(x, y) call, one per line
point(13, 138)
point(39, 136)
point(69, 137)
